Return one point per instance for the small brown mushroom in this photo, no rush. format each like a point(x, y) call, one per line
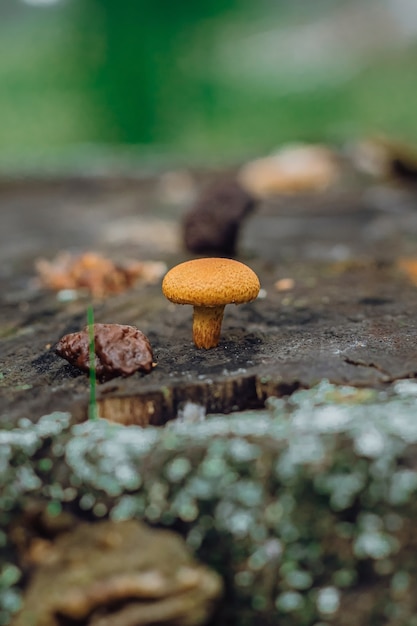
point(209, 284)
point(120, 350)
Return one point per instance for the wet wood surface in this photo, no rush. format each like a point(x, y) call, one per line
point(349, 317)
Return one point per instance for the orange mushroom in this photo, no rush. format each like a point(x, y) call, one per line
point(208, 285)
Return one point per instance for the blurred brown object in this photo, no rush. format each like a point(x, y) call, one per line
point(212, 226)
point(408, 265)
point(95, 273)
point(284, 284)
point(120, 350)
point(119, 574)
point(293, 169)
point(383, 157)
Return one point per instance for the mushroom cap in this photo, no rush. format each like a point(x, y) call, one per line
point(210, 282)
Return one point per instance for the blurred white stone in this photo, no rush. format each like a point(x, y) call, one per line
point(191, 412)
point(293, 169)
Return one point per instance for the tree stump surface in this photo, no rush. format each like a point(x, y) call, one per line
point(350, 316)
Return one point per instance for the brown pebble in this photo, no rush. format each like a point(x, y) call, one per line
point(284, 284)
point(120, 350)
point(212, 226)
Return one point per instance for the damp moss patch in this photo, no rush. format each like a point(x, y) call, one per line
point(305, 508)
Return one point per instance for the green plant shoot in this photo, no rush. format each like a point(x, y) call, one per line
point(92, 406)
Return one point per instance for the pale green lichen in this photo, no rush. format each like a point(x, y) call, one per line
point(328, 600)
point(287, 503)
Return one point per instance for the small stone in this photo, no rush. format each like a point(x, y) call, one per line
point(293, 169)
point(285, 284)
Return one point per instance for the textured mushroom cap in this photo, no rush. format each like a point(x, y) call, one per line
point(210, 282)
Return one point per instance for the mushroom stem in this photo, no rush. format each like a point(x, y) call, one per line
point(207, 323)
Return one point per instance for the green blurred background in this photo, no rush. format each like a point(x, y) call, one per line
point(208, 80)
